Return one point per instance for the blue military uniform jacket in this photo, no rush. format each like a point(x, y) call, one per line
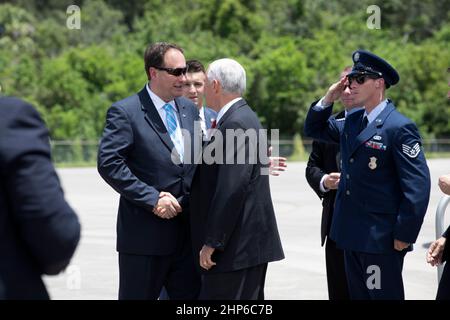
point(384, 188)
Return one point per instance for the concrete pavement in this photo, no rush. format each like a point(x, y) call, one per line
point(93, 273)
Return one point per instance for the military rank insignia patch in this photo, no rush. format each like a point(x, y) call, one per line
point(411, 152)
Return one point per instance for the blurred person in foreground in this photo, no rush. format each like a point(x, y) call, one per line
point(39, 231)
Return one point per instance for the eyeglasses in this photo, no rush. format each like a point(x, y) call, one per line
point(173, 71)
point(361, 77)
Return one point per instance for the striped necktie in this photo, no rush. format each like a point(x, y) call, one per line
point(171, 121)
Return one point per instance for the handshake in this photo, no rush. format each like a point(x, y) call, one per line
point(167, 206)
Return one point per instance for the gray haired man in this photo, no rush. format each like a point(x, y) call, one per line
point(233, 223)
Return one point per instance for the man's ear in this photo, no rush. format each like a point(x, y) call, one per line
point(152, 72)
point(379, 83)
point(216, 86)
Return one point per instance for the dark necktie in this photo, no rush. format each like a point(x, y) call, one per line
point(363, 124)
point(213, 123)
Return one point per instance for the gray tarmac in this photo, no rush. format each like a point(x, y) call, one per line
point(93, 272)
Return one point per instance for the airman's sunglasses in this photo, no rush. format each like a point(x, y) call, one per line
point(173, 71)
point(360, 78)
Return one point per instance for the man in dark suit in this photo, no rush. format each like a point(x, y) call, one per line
point(323, 174)
point(144, 157)
point(439, 250)
point(2, 291)
point(38, 230)
point(385, 187)
point(233, 222)
point(194, 88)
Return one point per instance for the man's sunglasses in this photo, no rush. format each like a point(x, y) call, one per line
point(360, 78)
point(173, 71)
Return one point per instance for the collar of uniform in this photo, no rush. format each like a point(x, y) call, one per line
point(376, 111)
point(348, 112)
point(225, 108)
point(157, 101)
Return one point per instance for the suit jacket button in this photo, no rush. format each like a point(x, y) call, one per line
point(347, 176)
point(352, 160)
point(347, 192)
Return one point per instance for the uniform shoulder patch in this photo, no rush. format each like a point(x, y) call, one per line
point(411, 152)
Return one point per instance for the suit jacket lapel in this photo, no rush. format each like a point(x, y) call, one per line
point(372, 128)
point(183, 118)
point(154, 120)
point(234, 107)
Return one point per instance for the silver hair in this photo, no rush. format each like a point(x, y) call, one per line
point(229, 73)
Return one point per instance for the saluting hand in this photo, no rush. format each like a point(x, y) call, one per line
point(335, 91)
point(435, 251)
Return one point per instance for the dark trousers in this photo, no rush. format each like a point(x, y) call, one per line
point(444, 285)
point(142, 277)
point(245, 284)
point(375, 276)
point(164, 295)
point(336, 278)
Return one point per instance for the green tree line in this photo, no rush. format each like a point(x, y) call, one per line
point(292, 51)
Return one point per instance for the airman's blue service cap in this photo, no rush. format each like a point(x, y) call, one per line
point(369, 63)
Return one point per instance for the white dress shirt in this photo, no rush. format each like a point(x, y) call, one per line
point(201, 114)
point(376, 111)
point(225, 109)
point(159, 104)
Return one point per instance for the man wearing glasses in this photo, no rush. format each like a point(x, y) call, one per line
point(323, 174)
point(142, 156)
point(384, 188)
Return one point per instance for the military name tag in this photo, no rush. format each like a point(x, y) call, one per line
point(373, 163)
